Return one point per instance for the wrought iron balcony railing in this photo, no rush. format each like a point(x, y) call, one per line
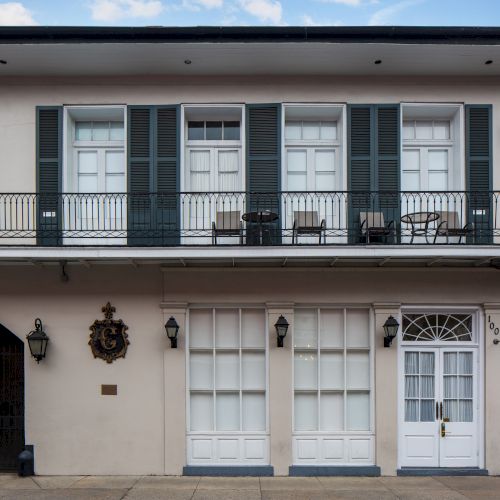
point(239, 218)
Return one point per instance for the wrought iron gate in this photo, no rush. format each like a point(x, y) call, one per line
point(11, 399)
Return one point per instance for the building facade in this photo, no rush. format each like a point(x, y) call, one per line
point(227, 177)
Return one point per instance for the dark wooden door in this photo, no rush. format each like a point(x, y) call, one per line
point(11, 399)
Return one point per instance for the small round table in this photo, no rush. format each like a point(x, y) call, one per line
point(260, 217)
point(420, 219)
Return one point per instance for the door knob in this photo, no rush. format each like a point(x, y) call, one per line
point(443, 429)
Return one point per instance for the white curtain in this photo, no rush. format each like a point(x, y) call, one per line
point(458, 387)
point(228, 170)
point(419, 387)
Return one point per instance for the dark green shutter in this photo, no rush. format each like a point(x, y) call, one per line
point(479, 170)
point(153, 164)
point(373, 163)
point(140, 221)
point(49, 174)
point(167, 173)
point(264, 164)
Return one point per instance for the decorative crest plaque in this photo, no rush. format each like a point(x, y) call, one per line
point(109, 339)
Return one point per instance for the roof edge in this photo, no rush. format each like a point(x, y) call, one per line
point(252, 34)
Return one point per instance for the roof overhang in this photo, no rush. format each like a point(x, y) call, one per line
point(69, 51)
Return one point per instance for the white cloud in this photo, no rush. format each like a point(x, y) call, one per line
point(351, 3)
point(114, 10)
point(384, 16)
point(15, 14)
point(195, 5)
point(309, 21)
point(264, 10)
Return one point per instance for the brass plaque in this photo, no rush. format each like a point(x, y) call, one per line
point(109, 390)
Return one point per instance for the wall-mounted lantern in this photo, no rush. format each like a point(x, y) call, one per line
point(172, 329)
point(281, 328)
point(391, 327)
point(37, 341)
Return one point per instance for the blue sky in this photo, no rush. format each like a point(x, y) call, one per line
point(250, 12)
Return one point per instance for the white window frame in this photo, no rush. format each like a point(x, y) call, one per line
point(346, 435)
point(241, 144)
point(478, 342)
point(217, 436)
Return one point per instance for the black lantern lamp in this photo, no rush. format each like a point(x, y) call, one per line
point(391, 327)
point(281, 328)
point(38, 340)
point(172, 329)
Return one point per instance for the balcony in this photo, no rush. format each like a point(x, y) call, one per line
point(221, 219)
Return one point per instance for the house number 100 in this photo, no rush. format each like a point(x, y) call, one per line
point(495, 329)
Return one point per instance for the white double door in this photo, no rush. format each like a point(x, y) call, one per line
point(439, 408)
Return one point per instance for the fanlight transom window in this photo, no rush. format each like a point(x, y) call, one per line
point(437, 327)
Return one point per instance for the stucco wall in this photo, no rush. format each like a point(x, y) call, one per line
point(20, 96)
point(75, 430)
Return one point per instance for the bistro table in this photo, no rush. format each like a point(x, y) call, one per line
point(419, 222)
point(262, 218)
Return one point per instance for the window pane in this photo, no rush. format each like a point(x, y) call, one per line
point(254, 412)
point(228, 412)
point(201, 371)
point(87, 162)
point(358, 328)
point(438, 159)
point(200, 328)
point(442, 130)
point(227, 328)
point(325, 182)
point(199, 164)
point(115, 162)
point(332, 412)
point(231, 131)
point(83, 131)
point(202, 412)
point(424, 130)
point(358, 411)
point(306, 370)
point(214, 131)
point(293, 130)
point(408, 130)
point(332, 328)
point(297, 182)
point(358, 370)
point(410, 181)
point(228, 170)
point(306, 412)
point(332, 370)
point(196, 131)
point(116, 132)
point(253, 326)
point(411, 159)
point(324, 160)
point(310, 131)
point(100, 131)
point(87, 184)
point(115, 183)
point(438, 181)
point(227, 370)
point(305, 328)
point(328, 131)
point(254, 370)
point(296, 160)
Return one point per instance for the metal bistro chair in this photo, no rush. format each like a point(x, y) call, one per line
point(227, 224)
point(449, 226)
point(307, 222)
point(373, 224)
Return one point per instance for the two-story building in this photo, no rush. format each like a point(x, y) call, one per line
point(234, 181)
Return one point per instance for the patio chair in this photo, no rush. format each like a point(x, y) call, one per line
point(227, 224)
point(307, 222)
point(449, 226)
point(373, 224)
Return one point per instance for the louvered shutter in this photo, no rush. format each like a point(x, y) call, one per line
point(387, 161)
point(49, 174)
point(141, 220)
point(479, 170)
point(373, 163)
point(263, 165)
point(167, 173)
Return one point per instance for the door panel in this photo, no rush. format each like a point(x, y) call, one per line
point(459, 447)
point(420, 442)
